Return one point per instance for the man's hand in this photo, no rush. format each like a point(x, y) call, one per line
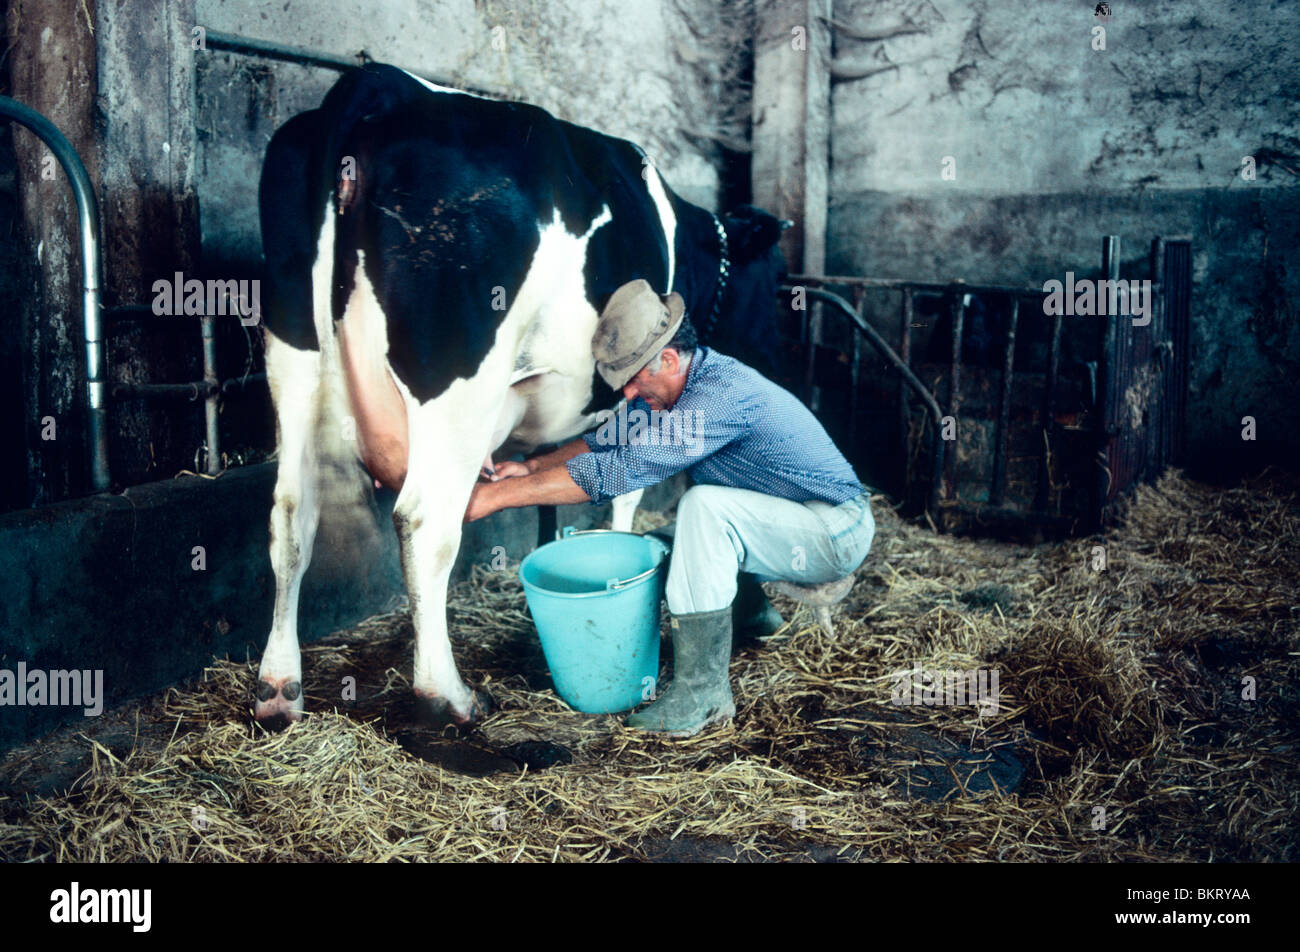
point(538, 464)
point(557, 457)
point(481, 502)
point(509, 469)
point(550, 487)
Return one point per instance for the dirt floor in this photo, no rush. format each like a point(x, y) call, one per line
point(1146, 711)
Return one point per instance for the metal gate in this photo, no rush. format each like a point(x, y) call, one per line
point(997, 416)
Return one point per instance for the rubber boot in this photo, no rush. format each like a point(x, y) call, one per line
point(752, 615)
point(700, 693)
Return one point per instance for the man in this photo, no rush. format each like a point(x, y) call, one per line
point(772, 497)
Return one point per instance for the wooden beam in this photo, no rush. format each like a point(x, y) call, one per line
point(52, 69)
point(151, 223)
point(791, 136)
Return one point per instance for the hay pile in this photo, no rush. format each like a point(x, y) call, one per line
point(1121, 691)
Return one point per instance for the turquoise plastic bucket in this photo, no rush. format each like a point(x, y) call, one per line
point(594, 596)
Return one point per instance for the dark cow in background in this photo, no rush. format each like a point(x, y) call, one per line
point(742, 319)
point(436, 263)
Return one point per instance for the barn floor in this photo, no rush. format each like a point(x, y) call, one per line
point(1122, 732)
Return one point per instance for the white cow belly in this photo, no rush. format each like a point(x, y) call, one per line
point(554, 364)
point(546, 408)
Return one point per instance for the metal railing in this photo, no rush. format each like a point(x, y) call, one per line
point(304, 56)
point(91, 318)
point(909, 380)
point(1132, 422)
point(942, 462)
point(95, 318)
point(210, 389)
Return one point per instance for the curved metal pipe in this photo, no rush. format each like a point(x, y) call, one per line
point(92, 322)
point(879, 343)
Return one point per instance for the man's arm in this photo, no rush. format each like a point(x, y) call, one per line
point(549, 487)
point(644, 460)
point(509, 469)
point(557, 457)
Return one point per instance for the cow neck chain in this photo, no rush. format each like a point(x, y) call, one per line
point(724, 271)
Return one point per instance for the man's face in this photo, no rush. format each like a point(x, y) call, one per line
point(659, 390)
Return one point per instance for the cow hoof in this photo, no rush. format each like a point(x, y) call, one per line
point(437, 712)
point(279, 702)
point(481, 706)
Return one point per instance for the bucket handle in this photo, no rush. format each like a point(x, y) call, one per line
point(570, 531)
point(614, 584)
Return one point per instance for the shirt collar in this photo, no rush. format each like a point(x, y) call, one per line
point(697, 355)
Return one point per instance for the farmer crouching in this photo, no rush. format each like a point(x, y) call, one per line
point(773, 498)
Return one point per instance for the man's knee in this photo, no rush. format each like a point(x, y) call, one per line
point(703, 524)
point(700, 502)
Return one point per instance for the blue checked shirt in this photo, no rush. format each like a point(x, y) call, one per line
point(730, 427)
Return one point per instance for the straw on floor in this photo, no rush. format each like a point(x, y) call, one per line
point(1153, 707)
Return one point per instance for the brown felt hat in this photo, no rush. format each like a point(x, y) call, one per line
point(636, 324)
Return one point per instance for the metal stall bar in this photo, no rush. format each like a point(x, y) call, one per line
point(92, 321)
point(210, 404)
point(855, 371)
point(1043, 499)
point(905, 355)
point(1158, 446)
point(1176, 278)
point(897, 284)
point(200, 390)
point(954, 387)
point(999, 482)
point(195, 390)
point(1106, 400)
point(303, 56)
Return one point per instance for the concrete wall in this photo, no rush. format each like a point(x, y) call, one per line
point(1056, 144)
point(111, 583)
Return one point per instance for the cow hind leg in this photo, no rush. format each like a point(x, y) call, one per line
point(446, 451)
point(294, 376)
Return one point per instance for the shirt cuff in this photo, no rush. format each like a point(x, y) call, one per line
point(583, 471)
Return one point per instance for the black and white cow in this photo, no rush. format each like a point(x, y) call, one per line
point(435, 265)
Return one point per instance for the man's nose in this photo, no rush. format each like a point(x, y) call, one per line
point(629, 392)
